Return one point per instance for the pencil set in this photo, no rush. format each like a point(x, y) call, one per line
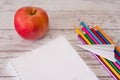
point(95, 35)
point(117, 54)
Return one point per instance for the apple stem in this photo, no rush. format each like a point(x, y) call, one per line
point(33, 11)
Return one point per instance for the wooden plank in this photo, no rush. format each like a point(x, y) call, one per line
point(105, 78)
point(110, 5)
point(7, 78)
point(66, 19)
point(10, 40)
point(101, 78)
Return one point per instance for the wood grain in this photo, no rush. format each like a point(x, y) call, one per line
point(66, 19)
point(63, 14)
point(12, 41)
point(76, 5)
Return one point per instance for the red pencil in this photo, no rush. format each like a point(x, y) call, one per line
point(93, 30)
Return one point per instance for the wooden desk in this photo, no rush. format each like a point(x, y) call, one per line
point(63, 14)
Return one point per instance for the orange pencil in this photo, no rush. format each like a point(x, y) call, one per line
point(117, 48)
point(100, 30)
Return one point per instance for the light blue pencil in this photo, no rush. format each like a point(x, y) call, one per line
point(84, 25)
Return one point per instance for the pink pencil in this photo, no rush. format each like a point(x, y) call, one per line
point(85, 30)
point(117, 65)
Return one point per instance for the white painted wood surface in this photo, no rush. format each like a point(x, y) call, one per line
point(63, 14)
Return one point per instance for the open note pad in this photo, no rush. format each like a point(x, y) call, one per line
point(56, 60)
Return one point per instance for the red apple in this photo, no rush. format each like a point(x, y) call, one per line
point(31, 22)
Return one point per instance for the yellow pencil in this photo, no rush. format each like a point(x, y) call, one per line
point(77, 30)
point(100, 30)
point(112, 69)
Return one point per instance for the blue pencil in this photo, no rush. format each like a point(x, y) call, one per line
point(116, 52)
point(84, 25)
point(107, 42)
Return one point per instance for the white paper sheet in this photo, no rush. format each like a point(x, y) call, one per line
point(106, 51)
point(56, 60)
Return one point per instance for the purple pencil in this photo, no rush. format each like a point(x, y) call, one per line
point(81, 39)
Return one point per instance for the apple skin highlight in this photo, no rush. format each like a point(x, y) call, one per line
point(31, 23)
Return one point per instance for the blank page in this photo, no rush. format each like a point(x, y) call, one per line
point(56, 60)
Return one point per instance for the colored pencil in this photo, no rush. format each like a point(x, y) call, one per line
point(109, 67)
point(117, 57)
point(81, 39)
point(117, 65)
point(84, 25)
point(116, 52)
point(91, 41)
point(117, 62)
point(105, 66)
point(93, 30)
point(112, 68)
point(101, 31)
point(107, 42)
point(86, 31)
point(82, 35)
point(117, 48)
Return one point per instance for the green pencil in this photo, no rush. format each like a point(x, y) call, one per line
point(91, 41)
point(112, 64)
